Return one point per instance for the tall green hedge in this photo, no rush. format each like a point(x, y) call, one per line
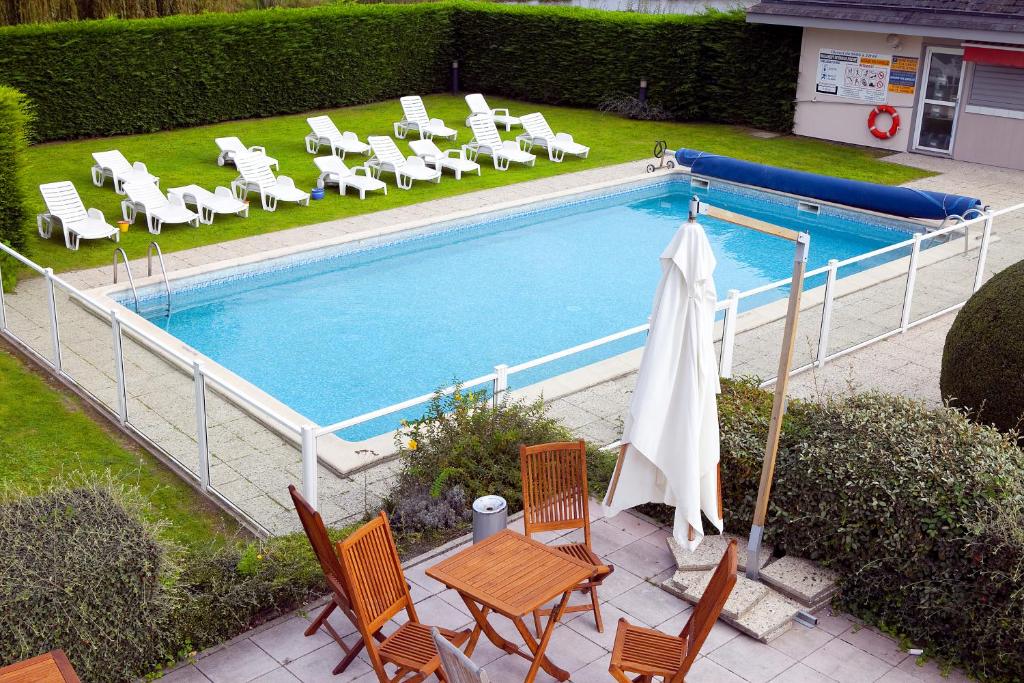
point(96, 78)
point(14, 120)
point(108, 77)
point(711, 66)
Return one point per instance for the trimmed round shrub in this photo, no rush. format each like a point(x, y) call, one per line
point(983, 358)
point(81, 571)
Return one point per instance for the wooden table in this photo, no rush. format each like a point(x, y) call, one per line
point(53, 667)
point(513, 575)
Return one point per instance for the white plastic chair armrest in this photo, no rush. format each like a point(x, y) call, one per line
point(416, 161)
point(257, 149)
point(285, 181)
point(141, 167)
point(459, 153)
point(349, 135)
point(96, 214)
point(367, 171)
point(438, 122)
point(221, 191)
point(176, 199)
point(500, 110)
point(564, 137)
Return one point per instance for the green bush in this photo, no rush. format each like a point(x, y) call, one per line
point(82, 570)
point(983, 358)
point(127, 76)
point(463, 448)
point(14, 122)
point(698, 67)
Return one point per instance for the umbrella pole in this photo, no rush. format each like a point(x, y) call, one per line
point(778, 406)
point(615, 476)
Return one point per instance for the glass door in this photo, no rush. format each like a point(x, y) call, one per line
point(937, 111)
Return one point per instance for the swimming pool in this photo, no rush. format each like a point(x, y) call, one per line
point(336, 335)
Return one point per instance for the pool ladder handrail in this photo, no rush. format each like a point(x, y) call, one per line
point(153, 246)
point(127, 269)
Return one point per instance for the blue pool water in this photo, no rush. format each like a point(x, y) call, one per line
point(340, 336)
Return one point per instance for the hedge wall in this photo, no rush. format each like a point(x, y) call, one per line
point(713, 66)
point(14, 120)
point(97, 78)
point(108, 77)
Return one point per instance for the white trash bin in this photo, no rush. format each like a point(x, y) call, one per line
point(490, 515)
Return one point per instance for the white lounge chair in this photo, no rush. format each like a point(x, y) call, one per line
point(256, 176)
point(333, 171)
point(113, 165)
point(454, 159)
point(486, 140)
point(500, 116)
point(209, 204)
point(148, 199)
point(326, 133)
point(539, 133)
point(388, 158)
point(231, 147)
point(64, 206)
point(415, 118)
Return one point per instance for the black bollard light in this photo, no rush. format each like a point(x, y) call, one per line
point(455, 77)
point(643, 91)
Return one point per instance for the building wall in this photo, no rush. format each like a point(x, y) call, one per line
point(844, 120)
point(986, 139)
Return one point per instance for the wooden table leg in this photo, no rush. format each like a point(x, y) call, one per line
point(482, 625)
point(539, 658)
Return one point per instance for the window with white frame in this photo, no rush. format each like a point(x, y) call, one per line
point(997, 91)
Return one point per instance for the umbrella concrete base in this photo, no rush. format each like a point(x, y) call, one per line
point(762, 609)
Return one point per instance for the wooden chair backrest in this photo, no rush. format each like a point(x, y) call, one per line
point(316, 532)
point(555, 487)
point(457, 667)
point(373, 576)
point(705, 614)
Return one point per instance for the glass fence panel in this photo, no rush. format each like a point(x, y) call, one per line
point(160, 400)
point(945, 274)
point(27, 312)
point(865, 307)
point(348, 499)
point(251, 463)
point(86, 347)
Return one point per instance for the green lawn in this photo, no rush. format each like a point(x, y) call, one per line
point(186, 156)
point(47, 432)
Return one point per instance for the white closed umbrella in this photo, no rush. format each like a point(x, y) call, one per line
point(670, 443)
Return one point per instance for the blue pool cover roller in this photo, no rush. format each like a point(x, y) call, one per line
point(896, 201)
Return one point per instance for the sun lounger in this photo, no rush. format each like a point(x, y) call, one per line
point(501, 117)
point(209, 204)
point(148, 199)
point(256, 176)
point(326, 133)
point(333, 171)
point(415, 118)
point(113, 165)
point(64, 206)
point(231, 147)
point(452, 159)
point(389, 159)
point(486, 140)
point(539, 133)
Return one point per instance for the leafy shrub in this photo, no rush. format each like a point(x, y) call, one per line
point(983, 358)
point(128, 76)
point(463, 448)
point(698, 67)
point(632, 108)
point(81, 571)
point(14, 122)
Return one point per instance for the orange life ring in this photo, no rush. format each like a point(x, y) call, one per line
point(883, 134)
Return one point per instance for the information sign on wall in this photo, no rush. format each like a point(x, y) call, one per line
point(903, 75)
point(854, 75)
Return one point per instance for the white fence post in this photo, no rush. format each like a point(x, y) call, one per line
point(729, 333)
point(908, 298)
point(986, 235)
point(122, 396)
point(500, 383)
point(826, 312)
point(309, 468)
point(54, 336)
point(204, 449)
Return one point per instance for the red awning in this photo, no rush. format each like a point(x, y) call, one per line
point(994, 56)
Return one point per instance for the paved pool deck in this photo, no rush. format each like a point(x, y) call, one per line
point(837, 650)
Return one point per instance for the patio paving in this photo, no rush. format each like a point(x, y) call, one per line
point(839, 649)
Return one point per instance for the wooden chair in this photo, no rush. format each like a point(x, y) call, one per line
point(324, 551)
point(52, 667)
point(457, 667)
point(556, 497)
point(374, 580)
point(649, 653)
